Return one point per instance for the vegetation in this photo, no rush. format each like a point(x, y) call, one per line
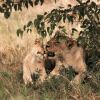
point(57, 88)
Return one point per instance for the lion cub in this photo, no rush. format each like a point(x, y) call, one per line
point(34, 63)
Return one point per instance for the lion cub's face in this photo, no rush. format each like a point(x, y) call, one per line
point(34, 63)
point(38, 50)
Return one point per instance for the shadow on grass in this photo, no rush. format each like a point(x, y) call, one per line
point(56, 88)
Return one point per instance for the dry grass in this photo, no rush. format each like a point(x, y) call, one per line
point(58, 88)
point(12, 51)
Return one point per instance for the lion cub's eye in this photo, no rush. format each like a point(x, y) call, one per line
point(38, 52)
point(47, 46)
point(56, 43)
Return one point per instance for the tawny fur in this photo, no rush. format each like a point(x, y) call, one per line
point(34, 63)
point(64, 56)
point(68, 57)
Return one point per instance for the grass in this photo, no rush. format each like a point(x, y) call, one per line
point(57, 88)
point(12, 52)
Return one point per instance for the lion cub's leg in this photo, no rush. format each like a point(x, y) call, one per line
point(57, 69)
point(81, 69)
point(43, 75)
point(42, 72)
point(27, 79)
point(27, 75)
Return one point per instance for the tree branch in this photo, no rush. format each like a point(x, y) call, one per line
point(89, 16)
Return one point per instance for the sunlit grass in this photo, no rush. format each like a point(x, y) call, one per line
point(13, 49)
point(57, 88)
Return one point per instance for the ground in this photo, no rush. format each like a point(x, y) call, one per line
point(12, 51)
point(12, 87)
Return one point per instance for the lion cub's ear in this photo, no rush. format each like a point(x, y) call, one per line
point(39, 52)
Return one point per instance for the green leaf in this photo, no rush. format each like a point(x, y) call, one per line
point(74, 29)
point(70, 18)
point(1, 9)
point(7, 14)
point(43, 33)
point(36, 2)
point(29, 30)
point(31, 2)
point(19, 33)
point(36, 22)
point(48, 29)
point(40, 17)
point(98, 11)
point(29, 23)
point(81, 12)
point(42, 1)
point(24, 27)
point(64, 17)
point(93, 5)
point(15, 7)
point(4, 5)
point(20, 6)
point(97, 16)
point(26, 4)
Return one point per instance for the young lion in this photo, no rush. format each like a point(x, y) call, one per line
point(34, 63)
point(66, 57)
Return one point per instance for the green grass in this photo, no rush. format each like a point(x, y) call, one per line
point(57, 88)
